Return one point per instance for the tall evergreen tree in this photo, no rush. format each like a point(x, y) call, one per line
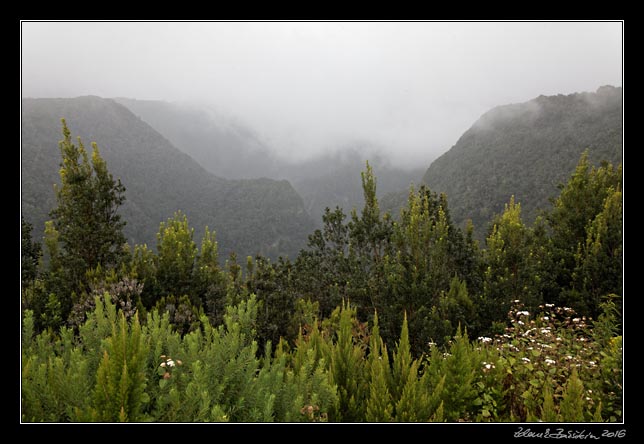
point(87, 218)
point(511, 266)
point(586, 224)
point(85, 221)
point(177, 256)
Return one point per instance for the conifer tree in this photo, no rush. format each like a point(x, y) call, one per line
point(86, 219)
point(598, 261)
point(458, 369)
point(577, 242)
point(511, 266)
point(379, 407)
point(402, 362)
point(346, 371)
point(120, 395)
point(177, 254)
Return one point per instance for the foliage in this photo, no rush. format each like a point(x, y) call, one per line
point(30, 253)
point(258, 216)
point(371, 323)
point(512, 263)
point(534, 361)
point(525, 150)
point(86, 218)
point(545, 367)
point(586, 224)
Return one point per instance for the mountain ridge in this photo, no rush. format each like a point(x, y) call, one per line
point(159, 179)
point(526, 150)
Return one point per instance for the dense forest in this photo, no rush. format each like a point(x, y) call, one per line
point(378, 319)
point(251, 216)
point(526, 150)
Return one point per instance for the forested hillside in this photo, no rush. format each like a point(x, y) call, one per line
point(230, 149)
point(250, 216)
point(377, 320)
point(526, 150)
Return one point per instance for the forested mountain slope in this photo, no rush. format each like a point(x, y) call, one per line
point(223, 146)
point(249, 216)
point(526, 150)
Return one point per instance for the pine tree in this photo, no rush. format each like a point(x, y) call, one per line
point(177, 254)
point(402, 362)
point(511, 266)
point(459, 369)
point(86, 219)
point(430, 252)
point(379, 406)
point(369, 241)
point(120, 395)
point(347, 369)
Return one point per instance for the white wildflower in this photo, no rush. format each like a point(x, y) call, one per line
point(550, 361)
point(526, 360)
point(545, 318)
point(484, 339)
point(545, 331)
point(523, 313)
point(162, 364)
point(170, 363)
point(569, 357)
point(521, 323)
point(558, 339)
point(550, 305)
point(516, 301)
point(576, 320)
point(592, 363)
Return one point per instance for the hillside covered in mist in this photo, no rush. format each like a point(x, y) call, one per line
point(231, 149)
point(526, 150)
point(249, 216)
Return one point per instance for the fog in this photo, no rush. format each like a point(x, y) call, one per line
point(309, 87)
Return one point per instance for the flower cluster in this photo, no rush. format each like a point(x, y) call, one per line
point(540, 349)
point(167, 364)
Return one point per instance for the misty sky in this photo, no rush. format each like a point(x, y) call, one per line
point(413, 87)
